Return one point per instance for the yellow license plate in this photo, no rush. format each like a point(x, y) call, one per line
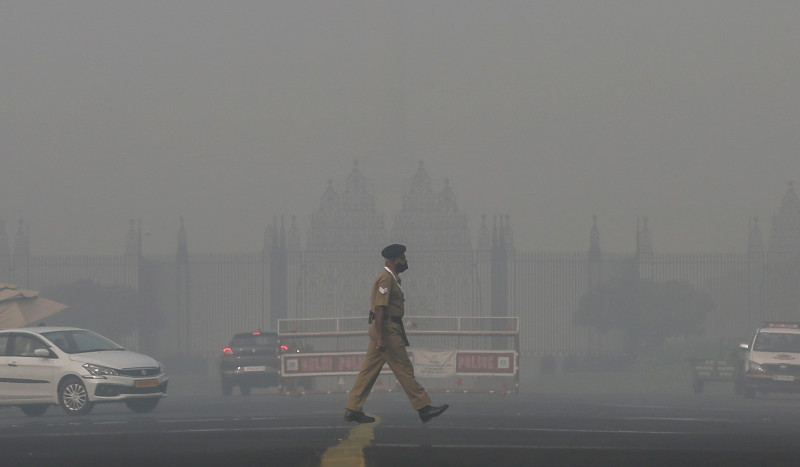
point(146, 383)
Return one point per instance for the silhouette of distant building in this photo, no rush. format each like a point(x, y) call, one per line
point(783, 261)
point(785, 234)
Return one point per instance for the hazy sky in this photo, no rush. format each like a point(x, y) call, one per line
point(229, 113)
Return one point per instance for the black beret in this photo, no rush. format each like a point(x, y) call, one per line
point(393, 251)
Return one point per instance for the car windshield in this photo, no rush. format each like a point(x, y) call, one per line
point(777, 342)
point(80, 340)
point(254, 340)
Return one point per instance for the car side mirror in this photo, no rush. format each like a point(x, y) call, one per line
point(43, 353)
point(744, 346)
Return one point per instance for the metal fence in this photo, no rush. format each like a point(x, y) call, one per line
point(209, 298)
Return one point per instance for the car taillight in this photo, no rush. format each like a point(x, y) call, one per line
point(227, 352)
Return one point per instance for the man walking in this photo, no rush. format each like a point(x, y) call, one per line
point(387, 343)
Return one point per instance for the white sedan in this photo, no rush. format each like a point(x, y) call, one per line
point(74, 368)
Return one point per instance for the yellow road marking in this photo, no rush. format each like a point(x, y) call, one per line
point(350, 452)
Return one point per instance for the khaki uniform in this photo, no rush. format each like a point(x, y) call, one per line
point(386, 292)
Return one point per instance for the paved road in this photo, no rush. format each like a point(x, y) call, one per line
point(478, 430)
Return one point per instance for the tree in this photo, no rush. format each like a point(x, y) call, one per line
point(647, 312)
point(113, 311)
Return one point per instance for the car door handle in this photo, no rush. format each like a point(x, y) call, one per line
point(13, 364)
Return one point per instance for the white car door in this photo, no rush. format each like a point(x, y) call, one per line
point(28, 377)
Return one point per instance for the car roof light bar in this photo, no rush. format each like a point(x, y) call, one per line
point(782, 324)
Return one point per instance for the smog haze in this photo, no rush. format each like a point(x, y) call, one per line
point(229, 114)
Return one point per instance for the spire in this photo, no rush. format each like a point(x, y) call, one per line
point(4, 252)
point(282, 235)
point(754, 242)
point(644, 243)
point(594, 238)
point(495, 236)
point(275, 235)
point(484, 235)
point(501, 233)
point(790, 202)
point(785, 234)
point(267, 245)
point(133, 240)
point(269, 236)
point(21, 242)
point(183, 244)
point(293, 236)
point(508, 234)
point(447, 199)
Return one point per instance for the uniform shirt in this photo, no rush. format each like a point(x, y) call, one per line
point(386, 292)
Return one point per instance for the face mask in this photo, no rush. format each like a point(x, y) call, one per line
point(401, 267)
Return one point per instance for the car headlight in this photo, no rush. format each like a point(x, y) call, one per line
point(754, 367)
point(97, 370)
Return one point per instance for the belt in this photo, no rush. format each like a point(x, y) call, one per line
point(396, 319)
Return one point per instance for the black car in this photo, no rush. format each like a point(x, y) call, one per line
point(251, 359)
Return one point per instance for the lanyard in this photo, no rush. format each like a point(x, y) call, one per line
point(394, 277)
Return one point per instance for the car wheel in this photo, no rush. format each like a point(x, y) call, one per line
point(143, 405)
point(244, 389)
point(34, 410)
point(227, 388)
point(73, 398)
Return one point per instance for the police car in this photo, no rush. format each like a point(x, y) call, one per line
point(772, 359)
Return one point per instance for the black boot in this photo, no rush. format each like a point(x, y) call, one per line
point(429, 411)
point(357, 416)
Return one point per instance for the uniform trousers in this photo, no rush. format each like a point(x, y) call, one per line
point(396, 357)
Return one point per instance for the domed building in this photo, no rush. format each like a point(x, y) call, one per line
point(347, 233)
point(440, 248)
point(345, 237)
